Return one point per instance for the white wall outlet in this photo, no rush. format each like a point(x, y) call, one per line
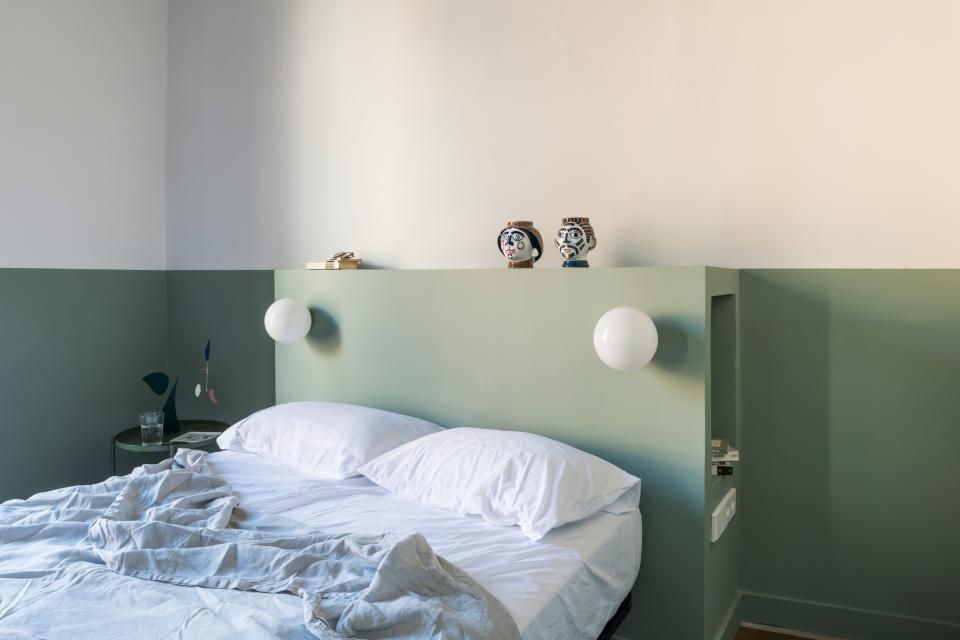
point(723, 514)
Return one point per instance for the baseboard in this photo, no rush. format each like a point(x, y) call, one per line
point(801, 635)
point(731, 621)
point(843, 622)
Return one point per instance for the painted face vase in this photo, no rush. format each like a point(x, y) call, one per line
point(575, 240)
point(521, 244)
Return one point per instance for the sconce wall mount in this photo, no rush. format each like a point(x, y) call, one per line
point(287, 321)
point(625, 338)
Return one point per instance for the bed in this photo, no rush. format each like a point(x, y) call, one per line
point(542, 584)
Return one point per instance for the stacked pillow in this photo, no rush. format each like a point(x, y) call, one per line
point(506, 477)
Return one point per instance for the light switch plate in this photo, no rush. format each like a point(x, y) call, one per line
point(723, 514)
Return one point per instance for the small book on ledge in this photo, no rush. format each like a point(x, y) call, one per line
point(193, 437)
point(338, 262)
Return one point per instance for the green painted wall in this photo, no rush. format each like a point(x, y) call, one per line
point(852, 435)
point(228, 308)
point(73, 347)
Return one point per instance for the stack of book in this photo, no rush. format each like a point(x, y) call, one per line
point(722, 457)
point(338, 262)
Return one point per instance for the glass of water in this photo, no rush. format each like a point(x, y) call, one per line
point(151, 427)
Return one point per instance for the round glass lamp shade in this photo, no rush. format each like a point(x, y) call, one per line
point(625, 338)
point(287, 321)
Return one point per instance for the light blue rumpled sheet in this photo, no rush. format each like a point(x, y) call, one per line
point(166, 552)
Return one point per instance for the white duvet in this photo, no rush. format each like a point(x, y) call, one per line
point(564, 586)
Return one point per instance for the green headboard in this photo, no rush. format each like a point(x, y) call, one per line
point(513, 349)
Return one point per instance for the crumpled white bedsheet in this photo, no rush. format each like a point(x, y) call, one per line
point(136, 557)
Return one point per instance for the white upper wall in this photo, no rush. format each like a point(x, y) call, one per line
point(797, 133)
point(83, 133)
point(813, 133)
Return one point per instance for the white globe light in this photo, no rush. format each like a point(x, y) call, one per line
point(287, 321)
point(625, 338)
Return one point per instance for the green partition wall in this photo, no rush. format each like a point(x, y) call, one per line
point(513, 349)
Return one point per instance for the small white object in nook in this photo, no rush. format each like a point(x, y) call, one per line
point(625, 338)
point(287, 321)
point(723, 514)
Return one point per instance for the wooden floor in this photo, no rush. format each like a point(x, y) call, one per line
point(746, 633)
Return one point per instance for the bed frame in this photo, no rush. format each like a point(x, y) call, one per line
point(435, 344)
point(614, 623)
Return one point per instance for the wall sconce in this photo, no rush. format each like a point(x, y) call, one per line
point(625, 338)
point(287, 321)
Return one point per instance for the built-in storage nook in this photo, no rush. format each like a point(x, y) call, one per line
point(723, 368)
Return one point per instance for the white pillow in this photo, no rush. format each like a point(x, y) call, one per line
point(507, 477)
point(327, 439)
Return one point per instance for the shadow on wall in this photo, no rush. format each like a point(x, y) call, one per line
point(677, 339)
point(669, 517)
point(249, 145)
point(324, 333)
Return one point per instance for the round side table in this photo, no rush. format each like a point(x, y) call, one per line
point(130, 439)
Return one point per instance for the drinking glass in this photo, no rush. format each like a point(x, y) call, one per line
point(151, 427)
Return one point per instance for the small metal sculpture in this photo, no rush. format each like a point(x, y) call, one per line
point(204, 386)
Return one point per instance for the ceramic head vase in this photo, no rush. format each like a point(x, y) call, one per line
point(575, 240)
point(521, 244)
